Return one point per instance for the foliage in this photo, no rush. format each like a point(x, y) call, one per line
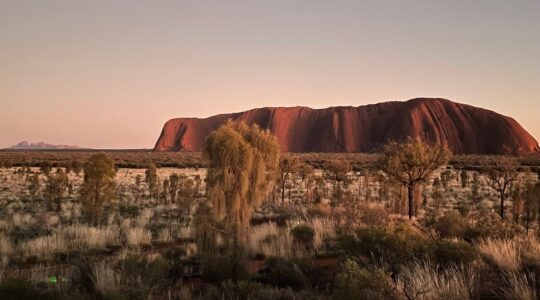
point(502, 172)
point(243, 162)
point(98, 186)
point(354, 282)
point(412, 162)
point(303, 234)
point(451, 225)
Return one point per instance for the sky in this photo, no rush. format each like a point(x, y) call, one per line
point(109, 73)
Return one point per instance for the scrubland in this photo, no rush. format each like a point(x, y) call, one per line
point(315, 240)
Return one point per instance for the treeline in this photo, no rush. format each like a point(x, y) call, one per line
point(138, 159)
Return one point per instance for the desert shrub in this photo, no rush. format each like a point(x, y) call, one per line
point(303, 234)
point(394, 246)
point(491, 225)
point(129, 211)
point(218, 269)
point(451, 224)
point(251, 290)
point(453, 252)
point(375, 216)
point(354, 282)
point(283, 273)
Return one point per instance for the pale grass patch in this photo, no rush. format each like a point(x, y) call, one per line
point(423, 281)
point(144, 217)
point(324, 229)
point(270, 240)
point(24, 220)
point(83, 237)
point(6, 246)
point(185, 232)
point(505, 254)
point(138, 236)
point(105, 278)
point(44, 246)
point(165, 235)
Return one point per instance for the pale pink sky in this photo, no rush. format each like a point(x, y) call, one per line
point(108, 74)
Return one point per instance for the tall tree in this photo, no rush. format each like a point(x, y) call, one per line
point(287, 167)
point(45, 167)
point(412, 162)
point(33, 185)
point(242, 164)
point(502, 172)
point(98, 186)
point(337, 171)
point(151, 179)
point(173, 186)
point(61, 183)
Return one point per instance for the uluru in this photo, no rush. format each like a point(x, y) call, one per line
point(464, 129)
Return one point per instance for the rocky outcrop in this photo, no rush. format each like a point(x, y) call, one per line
point(463, 128)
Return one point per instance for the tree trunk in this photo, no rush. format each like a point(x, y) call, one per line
point(283, 192)
point(502, 206)
point(411, 201)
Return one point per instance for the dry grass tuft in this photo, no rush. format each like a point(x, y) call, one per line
point(138, 237)
point(105, 278)
point(505, 254)
point(423, 281)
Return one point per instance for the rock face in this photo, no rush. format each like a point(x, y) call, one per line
point(463, 128)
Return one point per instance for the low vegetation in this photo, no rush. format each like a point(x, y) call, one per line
point(254, 224)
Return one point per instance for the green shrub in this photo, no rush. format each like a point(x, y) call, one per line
point(393, 246)
point(128, 211)
point(303, 234)
point(452, 224)
point(353, 282)
point(450, 252)
point(244, 290)
point(491, 225)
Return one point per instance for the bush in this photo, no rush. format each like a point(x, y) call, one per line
point(285, 273)
point(394, 246)
point(353, 282)
point(253, 290)
point(450, 252)
point(375, 216)
point(484, 226)
point(452, 224)
point(129, 211)
point(303, 234)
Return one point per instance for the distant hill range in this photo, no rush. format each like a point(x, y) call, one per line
point(42, 146)
point(463, 128)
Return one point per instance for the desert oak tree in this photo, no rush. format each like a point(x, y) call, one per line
point(412, 162)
